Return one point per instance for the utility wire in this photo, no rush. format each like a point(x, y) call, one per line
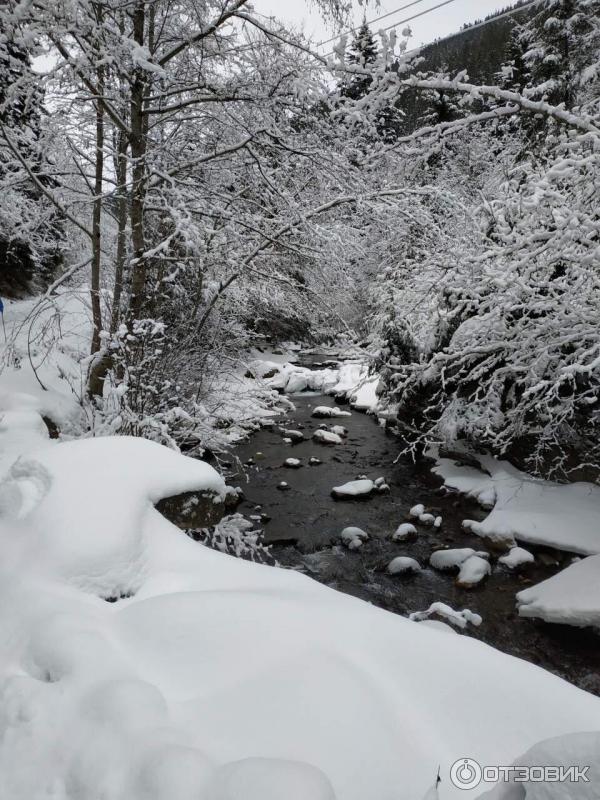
point(370, 22)
point(414, 16)
point(508, 13)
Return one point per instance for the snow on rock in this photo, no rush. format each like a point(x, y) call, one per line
point(353, 489)
point(564, 516)
point(314, 462)
point(292, 435)
point(293, 463)
point(459, 619)
point(403, 565)
point(517, 557)
point(353, 538)
point(327, 412)
point(427, 519)
point(473, 571)
point(326, 437)
point(364, 397)
point(562, 753)
point(467, 480)
point(404, 532)
point(454, 558)
point(297, 382)
point(437, 522)
point(283, 486)
point(339, 430)
point(571, 597)
point(96, 545)
point(417, 510)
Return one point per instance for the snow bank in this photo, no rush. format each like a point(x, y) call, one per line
point(575, 750)
point(213, 678)
point(527, 509)
point(570, 597)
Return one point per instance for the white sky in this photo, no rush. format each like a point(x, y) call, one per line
point(443, 21)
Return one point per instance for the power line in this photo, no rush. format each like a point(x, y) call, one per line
point(414, 16)
point(371, 21)
point(508, 13)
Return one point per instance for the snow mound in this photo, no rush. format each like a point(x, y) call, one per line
point(473, 571)
point(353, 538)
point(404, 532)
point(517, 557)
point(326, 437)
point(214, 678)
point(528, 509)
point(402, 565)
point(579, 750)
point(328, 412)
point(454, 558)
point(571, 597)
point(360, 488)
point(460, 619)
point(272, 779)
point(417, 511)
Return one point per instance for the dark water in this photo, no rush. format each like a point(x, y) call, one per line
point(306, 522)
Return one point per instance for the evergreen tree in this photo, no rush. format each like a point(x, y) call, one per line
point(558, 44)
point(363, 53)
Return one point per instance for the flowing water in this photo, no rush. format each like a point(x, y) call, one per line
point(304, 525)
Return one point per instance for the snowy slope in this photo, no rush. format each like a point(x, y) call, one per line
point(214, 660)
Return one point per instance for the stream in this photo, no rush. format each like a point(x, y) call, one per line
point(303, 526)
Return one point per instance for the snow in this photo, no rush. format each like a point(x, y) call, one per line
point(417, 510)
point(459, 619)
point(572, 750)
point(364, 397)
point(472, 571)
point(359, 488)
point(271, 779)
point(212, 674)
point(326, 437)
point(427, 519)
point(571, 597)
point(564, 516)
point(453, 558)
point(294, 463)
point(516, 558)
point(402, 565)
point(296, 383)
point(292, 435)
point(328, 412)
point(339, 430)
point(404, 532)
point(353, 538)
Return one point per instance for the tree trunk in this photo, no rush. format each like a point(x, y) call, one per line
point(138, 153)
point(97, 210)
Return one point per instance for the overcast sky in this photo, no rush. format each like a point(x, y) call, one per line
point(426, 28)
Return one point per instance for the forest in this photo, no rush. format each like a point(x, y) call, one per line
point(299, 404)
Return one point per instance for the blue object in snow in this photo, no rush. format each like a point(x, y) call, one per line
point(1, 306)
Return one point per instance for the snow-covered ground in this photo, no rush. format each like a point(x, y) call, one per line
point(211, 678)
point(350, 380)
point(539, 512)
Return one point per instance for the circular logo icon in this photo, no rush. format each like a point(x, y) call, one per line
point(466, 773)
